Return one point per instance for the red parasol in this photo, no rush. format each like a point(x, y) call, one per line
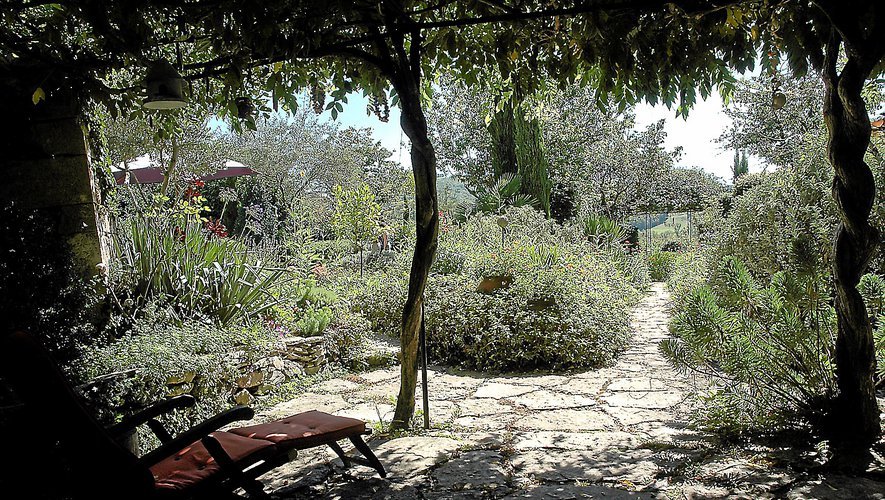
point(142, 172)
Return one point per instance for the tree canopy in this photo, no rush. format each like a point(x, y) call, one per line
point(628, 50)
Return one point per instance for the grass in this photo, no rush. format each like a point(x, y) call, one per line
point(675, 228)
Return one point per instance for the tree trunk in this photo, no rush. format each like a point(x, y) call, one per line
point(854, 417)
point(423, 157)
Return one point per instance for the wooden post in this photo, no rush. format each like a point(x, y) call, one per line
point(688, 217)
point(424, 391)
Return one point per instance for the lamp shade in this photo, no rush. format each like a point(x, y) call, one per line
point(164, 87)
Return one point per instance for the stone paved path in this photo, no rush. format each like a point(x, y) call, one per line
point(618, 432)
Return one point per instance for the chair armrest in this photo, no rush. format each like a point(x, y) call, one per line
point(197, 433)
point(150, 413)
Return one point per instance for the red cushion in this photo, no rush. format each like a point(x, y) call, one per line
point(194, 463)
point(305, 430)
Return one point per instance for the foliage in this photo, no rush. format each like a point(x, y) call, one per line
point(602, 230)
point(340, 43)
point(304, 309)
point(356, 215)
point(661, 264)
point(378, 297)
point(778, 220)
point(518, 148)
point(689, 272)
point(160, 352)
point(768, 347)
point(503, 192)
point(456, 122)
point(195, 274)
point(741, 165)
point(776, 136)
point(558, 313)
point(184, 147)
point(872, 288)
point(566, 307)
point(346, 338)
point(41, 289)
point(671, 246)
point(768, 214)
point(596, 155)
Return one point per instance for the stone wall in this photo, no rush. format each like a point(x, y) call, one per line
point(297, 357)
point(46, 167)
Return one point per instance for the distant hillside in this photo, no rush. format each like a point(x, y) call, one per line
point(451, 192)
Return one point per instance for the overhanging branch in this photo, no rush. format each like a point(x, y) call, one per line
point(538, 14)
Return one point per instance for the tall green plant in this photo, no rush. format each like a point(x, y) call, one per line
point(768, 347)
point(197, 274)
point(356, 217)
point(503, 193)
point(601, 230)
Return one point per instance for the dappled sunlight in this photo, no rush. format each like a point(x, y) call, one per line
point(236, 238)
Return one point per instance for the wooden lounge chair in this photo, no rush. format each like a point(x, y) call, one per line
point(200, 462)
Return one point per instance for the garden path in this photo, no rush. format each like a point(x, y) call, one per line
point(617, 432)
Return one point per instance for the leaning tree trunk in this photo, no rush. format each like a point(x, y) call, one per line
point(414, 124)
point(854, 422)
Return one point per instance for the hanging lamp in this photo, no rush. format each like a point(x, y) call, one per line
point(164, 86)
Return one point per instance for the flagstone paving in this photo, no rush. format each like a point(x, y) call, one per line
point(617, 432)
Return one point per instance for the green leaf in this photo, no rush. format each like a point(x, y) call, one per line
point(39, 95)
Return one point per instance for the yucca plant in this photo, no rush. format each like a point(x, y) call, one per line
point(601, 230)
point(503, 193)
point(197, 274)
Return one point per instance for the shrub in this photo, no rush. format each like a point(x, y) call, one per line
point(346, 337)
point(556, 314)
point(661, 265)
point(770, 214)
point(689, 272)
point(158, 351)
point(379, 296)
point(303, 309)
point(671, 246)
point(567, 305)
point(197, 275)
point(769, 347)
point(41, 291)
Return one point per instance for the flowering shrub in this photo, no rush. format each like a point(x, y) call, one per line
point(571, 314)
point(566, 305)
point(661, 264)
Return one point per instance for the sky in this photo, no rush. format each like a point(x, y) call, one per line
point(697, 135)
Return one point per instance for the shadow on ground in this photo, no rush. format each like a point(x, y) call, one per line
point(617, 432)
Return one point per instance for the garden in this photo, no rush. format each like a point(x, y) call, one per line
point(576, 288)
